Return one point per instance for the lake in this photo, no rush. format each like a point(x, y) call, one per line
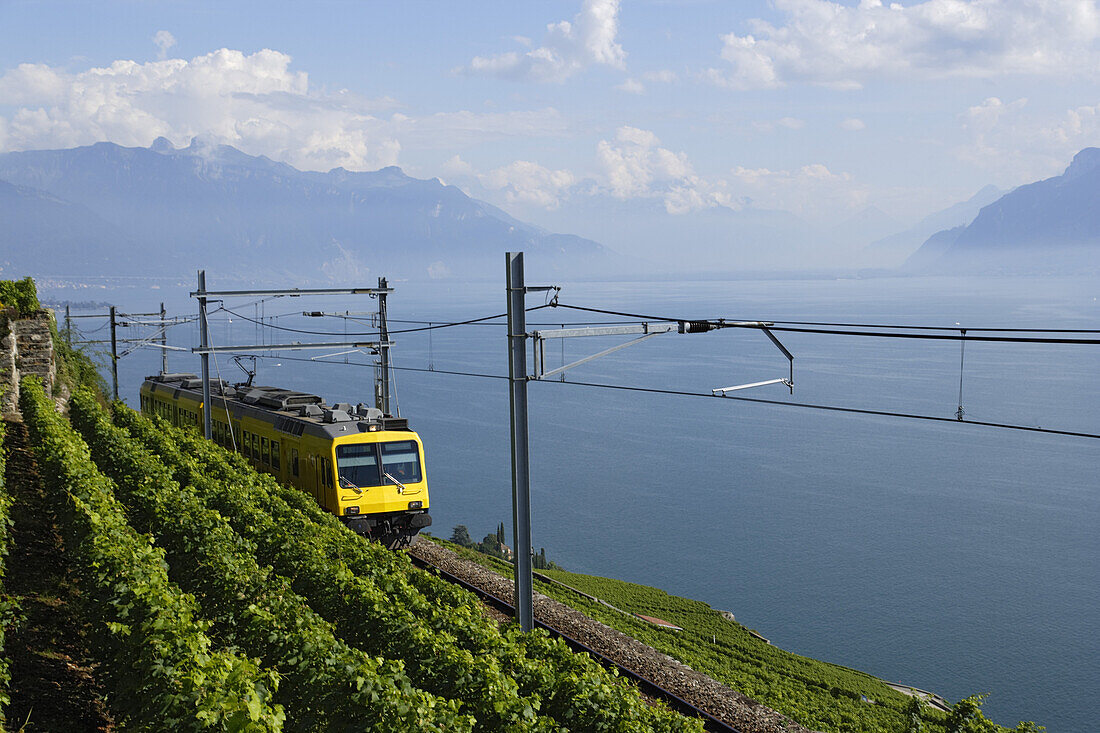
point(951, 557)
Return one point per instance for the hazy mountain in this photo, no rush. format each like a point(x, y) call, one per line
point(1048, 226)
point(867, 225)
point(933, 249)
point(41, 228)
point(891, 251)
point(174, 210)
point(710, 240)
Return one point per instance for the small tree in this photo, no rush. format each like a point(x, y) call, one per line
point(912, 715)
point(492, 546)
point(22, 295)
point(461, 536)
point(966, 717)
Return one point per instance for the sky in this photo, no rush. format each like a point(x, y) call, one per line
point(818, 108)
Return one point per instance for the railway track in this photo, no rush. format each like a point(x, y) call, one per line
point(645, 685)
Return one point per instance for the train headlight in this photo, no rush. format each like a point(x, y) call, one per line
point(351, 510)
point(415, 504)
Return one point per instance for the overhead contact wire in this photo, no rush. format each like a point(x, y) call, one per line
point(756, 400)
point(721, 323)
point(311, 332)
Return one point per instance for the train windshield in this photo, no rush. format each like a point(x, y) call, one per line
point(358, 465)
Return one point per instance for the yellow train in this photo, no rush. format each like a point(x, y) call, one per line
point(365, 467)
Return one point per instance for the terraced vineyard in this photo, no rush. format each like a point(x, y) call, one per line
point(220, 600)
point(817, 694)
point(6, 608)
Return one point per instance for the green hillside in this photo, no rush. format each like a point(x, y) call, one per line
point(819, 695)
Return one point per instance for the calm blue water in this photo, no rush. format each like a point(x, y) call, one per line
point(954, 558)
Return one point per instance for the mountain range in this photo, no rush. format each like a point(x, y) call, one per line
point(892, 250)
point(106, 209)
point(1050, 226)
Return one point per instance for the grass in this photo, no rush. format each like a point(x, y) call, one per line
point(819, 695)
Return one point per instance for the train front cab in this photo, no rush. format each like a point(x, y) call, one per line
point(379, 486)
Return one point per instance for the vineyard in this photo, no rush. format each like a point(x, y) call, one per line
point(217, 599)
point(157, 582)
point(817, 694)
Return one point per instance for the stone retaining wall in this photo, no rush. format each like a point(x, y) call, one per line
point(9, 375)
point(26, 347)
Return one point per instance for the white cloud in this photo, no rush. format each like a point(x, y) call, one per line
point(529, 183)
point(634, 162)
point(163, 41)
point(632, 86)
point(634, 165)
point(1016, 144)
point(664, 76)
point(254, 102)
point(840, 46)
point(812, 191)
point(567, 48)
point(787, 123)
point(853, 124)
point(456, 166)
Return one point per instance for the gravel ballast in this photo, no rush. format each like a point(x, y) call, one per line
point(705, 693)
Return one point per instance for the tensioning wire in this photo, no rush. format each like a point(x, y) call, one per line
point(756, 400)
point(373, 333)
point(721, 323)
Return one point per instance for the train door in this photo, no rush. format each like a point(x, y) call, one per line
point(277, 459)
point(318, 488)
point(292, 468)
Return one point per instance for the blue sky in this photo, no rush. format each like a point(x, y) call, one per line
point(813, 107)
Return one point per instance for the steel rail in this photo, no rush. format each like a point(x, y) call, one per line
point(647, 686)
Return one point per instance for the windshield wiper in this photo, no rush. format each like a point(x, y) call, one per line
point(347, 484)
point(400, 486)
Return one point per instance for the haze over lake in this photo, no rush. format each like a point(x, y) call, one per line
point(951, 557)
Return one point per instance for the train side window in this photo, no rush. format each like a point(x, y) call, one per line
point(294, 461)
point(275, 462)
point(255, 447)
point(246, 446)
point(264, 455)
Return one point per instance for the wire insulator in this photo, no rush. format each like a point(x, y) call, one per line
point(696, 326)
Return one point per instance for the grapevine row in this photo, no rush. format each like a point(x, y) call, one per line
point(384, 605)
point(159, 663)
point(7, 606)
point(326, 685)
